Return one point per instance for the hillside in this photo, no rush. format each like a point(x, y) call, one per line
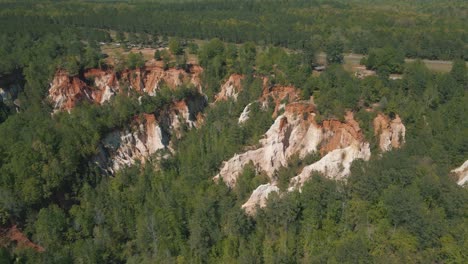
point(124, 138)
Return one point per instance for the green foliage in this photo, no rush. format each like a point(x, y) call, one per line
point(135, 60)
point(120, 37)
point(175, 46)
point(335, 92)
point(50, 227)
point(192, 48)
point(247, 55)
point(334, 50)
point(398, 207)
point(157, 55)
point(71, 65)
point(459, 72)
point(385, 61)
point(92, 58)
point(309, 53)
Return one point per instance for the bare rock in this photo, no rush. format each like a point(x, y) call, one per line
point(259, 197)
point(462, 174)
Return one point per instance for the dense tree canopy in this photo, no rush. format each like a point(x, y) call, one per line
point(399, 207)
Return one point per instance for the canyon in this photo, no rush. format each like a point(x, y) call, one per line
point(296, 132)
point(147, 133)
point(98, 86)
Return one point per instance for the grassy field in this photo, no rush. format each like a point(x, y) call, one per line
point(352, 60)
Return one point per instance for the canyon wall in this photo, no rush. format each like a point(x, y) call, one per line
point(98, 86)
point(296, 132)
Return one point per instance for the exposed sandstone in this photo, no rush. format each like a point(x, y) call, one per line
point(279, 95)
point(105, 83)
point(461, 173)
point(391, 133)
point(66, 91)
point(231, 88)
point(295, 132)
point(245, 114)
point(335, 164)
point(123, 148)
point(98, 86)
point(147, 135)
point(287, 136)
point(149, 79)
point(259, 197)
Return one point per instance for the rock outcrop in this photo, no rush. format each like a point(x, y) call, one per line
point(462, 174)
point(279, 95)
point(13, 234)
point(149, 79)
point(291, 133)
point(335, 164)
point(123, 148)
point(65, 91)
point(295, 132)
point(259, 197)
point(391, 133)
point(148, 134)
point(98, 86)
point(231, 88)
point(245, 114)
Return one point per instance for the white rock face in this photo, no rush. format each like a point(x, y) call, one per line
point(125, 148)
point(231, 88)
point(106, 81)
point(107, 95)
point(462, 173)
point(259, 197)
point(245, 114)
point(287, 136)
point(336, 164)
point(391, 132)
point(146, 135)
point(296, 133)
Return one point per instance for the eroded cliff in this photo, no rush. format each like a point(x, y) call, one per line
point(98, 86)
point(147, 134)
point(296, 132)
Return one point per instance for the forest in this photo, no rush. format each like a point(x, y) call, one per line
point(401, 206)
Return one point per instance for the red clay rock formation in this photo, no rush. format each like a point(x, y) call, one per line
point(341, 134)
point(280, 95)
point(231, 88)
point(391, 133)
point(13, 234)
point(66, 91)
point(106, 83)
point(294, 132)
point(146, 135)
